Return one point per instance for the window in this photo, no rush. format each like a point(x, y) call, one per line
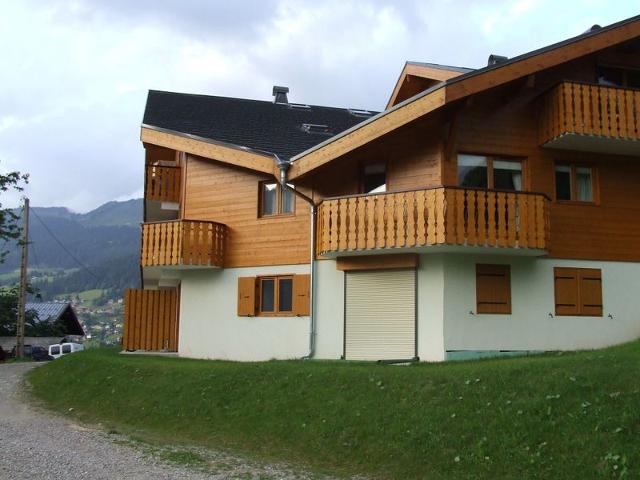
point(493, 289)
point(618, 77)
point(574, 183)
point(273, 295)
point(578, 291)
point(275, 200)
point(66, 349)
point(374, 178)
point(55, 350)
point(477, 171)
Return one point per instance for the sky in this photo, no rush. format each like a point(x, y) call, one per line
point(74, 75)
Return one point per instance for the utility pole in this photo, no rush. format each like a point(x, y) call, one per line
point(22, 298)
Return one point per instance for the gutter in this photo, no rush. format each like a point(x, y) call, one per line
point(283, 167)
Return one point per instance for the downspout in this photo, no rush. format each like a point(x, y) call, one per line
point(283, 167)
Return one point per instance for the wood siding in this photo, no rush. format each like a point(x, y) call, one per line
point(150, 320)
point(183, 243)
point(229, 195)
point(437, 216)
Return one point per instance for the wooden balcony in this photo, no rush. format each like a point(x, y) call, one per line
point(183, 243)
point(593, 118)
point(162, 184)
point(441, 216)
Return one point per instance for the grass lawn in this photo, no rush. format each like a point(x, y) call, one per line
point(550, 416)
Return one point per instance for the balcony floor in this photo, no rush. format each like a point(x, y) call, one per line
point(434, 249)
point(594, 143)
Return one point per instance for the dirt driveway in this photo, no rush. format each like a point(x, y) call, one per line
point(37, 445)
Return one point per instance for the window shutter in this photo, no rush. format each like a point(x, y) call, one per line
point(591, 292)
point(246, 296)
point(301, 295)
point(567, 290)
point(493, 289)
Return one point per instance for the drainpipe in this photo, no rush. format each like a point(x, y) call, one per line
point(283, 166)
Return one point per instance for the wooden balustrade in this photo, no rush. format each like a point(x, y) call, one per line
point(150, 320)
point(436, 216)
point(183, 242)
point(584, 109)
point(162, 183)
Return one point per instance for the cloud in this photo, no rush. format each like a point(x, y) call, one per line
point(75, 73)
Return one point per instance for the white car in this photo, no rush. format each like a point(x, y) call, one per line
point(60, 349)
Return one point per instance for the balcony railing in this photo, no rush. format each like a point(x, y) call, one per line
point(183, 243)
point(435, 216)
point(590, 110)
point(162, 183)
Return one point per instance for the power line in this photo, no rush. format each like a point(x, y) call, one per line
point(82, 265)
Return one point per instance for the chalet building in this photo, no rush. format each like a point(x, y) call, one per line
point(484, 211)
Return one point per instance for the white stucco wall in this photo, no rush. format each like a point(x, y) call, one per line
point(530, 327)
point(210, 327)
point(430, 308)
point(329, 310)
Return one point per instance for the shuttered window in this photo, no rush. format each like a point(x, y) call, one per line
point(578, 291)
point(274, 295)
point(493, 289)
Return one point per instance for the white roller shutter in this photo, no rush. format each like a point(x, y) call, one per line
point(380, 315)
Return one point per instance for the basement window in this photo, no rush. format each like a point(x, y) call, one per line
point(275, 200)
point(276, 295)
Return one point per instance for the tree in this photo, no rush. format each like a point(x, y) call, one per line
point(9, 229)
point(9, 313)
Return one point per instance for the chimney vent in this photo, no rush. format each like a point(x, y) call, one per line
point(280, 94)
point(496, 60)
point(594, 28)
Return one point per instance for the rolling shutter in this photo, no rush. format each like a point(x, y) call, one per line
point(246, 296)
point(493, 289)
point(301, 295)
point(590, 292)
point(380, 315)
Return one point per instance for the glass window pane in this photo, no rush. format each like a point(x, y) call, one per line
point(584, 184)
point(285, 295)
point(55, 350)
point(563, 182)
point(472, 171)
point(375, 178)
point(610, 76)
point(267, 295)
point(269, 199)
point(507, 175)
point(288, 200)
point(66, 348)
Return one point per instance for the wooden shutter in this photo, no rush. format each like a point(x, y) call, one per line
point(590, 291)
point(493, 289)
point(567, 291)
point(301, 295)
point(246, 296)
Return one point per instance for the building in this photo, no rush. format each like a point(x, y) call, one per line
point(47, 323)
point(483, 212)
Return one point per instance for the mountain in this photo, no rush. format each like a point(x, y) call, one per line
point(62, 239)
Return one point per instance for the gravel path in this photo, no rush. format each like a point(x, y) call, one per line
point(37, 445)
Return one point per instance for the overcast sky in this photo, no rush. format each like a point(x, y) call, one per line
point(74, 75)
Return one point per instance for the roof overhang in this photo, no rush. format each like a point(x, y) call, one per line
point(220, 151)
point(459, 87)
point(413, 70)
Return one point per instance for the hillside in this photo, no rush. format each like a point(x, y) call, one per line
point(109, 232)
point(553, 416)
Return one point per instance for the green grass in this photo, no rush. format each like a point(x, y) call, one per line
point(549, 416)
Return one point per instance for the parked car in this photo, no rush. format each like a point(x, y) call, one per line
point(60, 349)
point(35, 352)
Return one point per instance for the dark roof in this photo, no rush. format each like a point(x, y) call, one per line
point(259, 125)
point(52, 311)
point(450, 68)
